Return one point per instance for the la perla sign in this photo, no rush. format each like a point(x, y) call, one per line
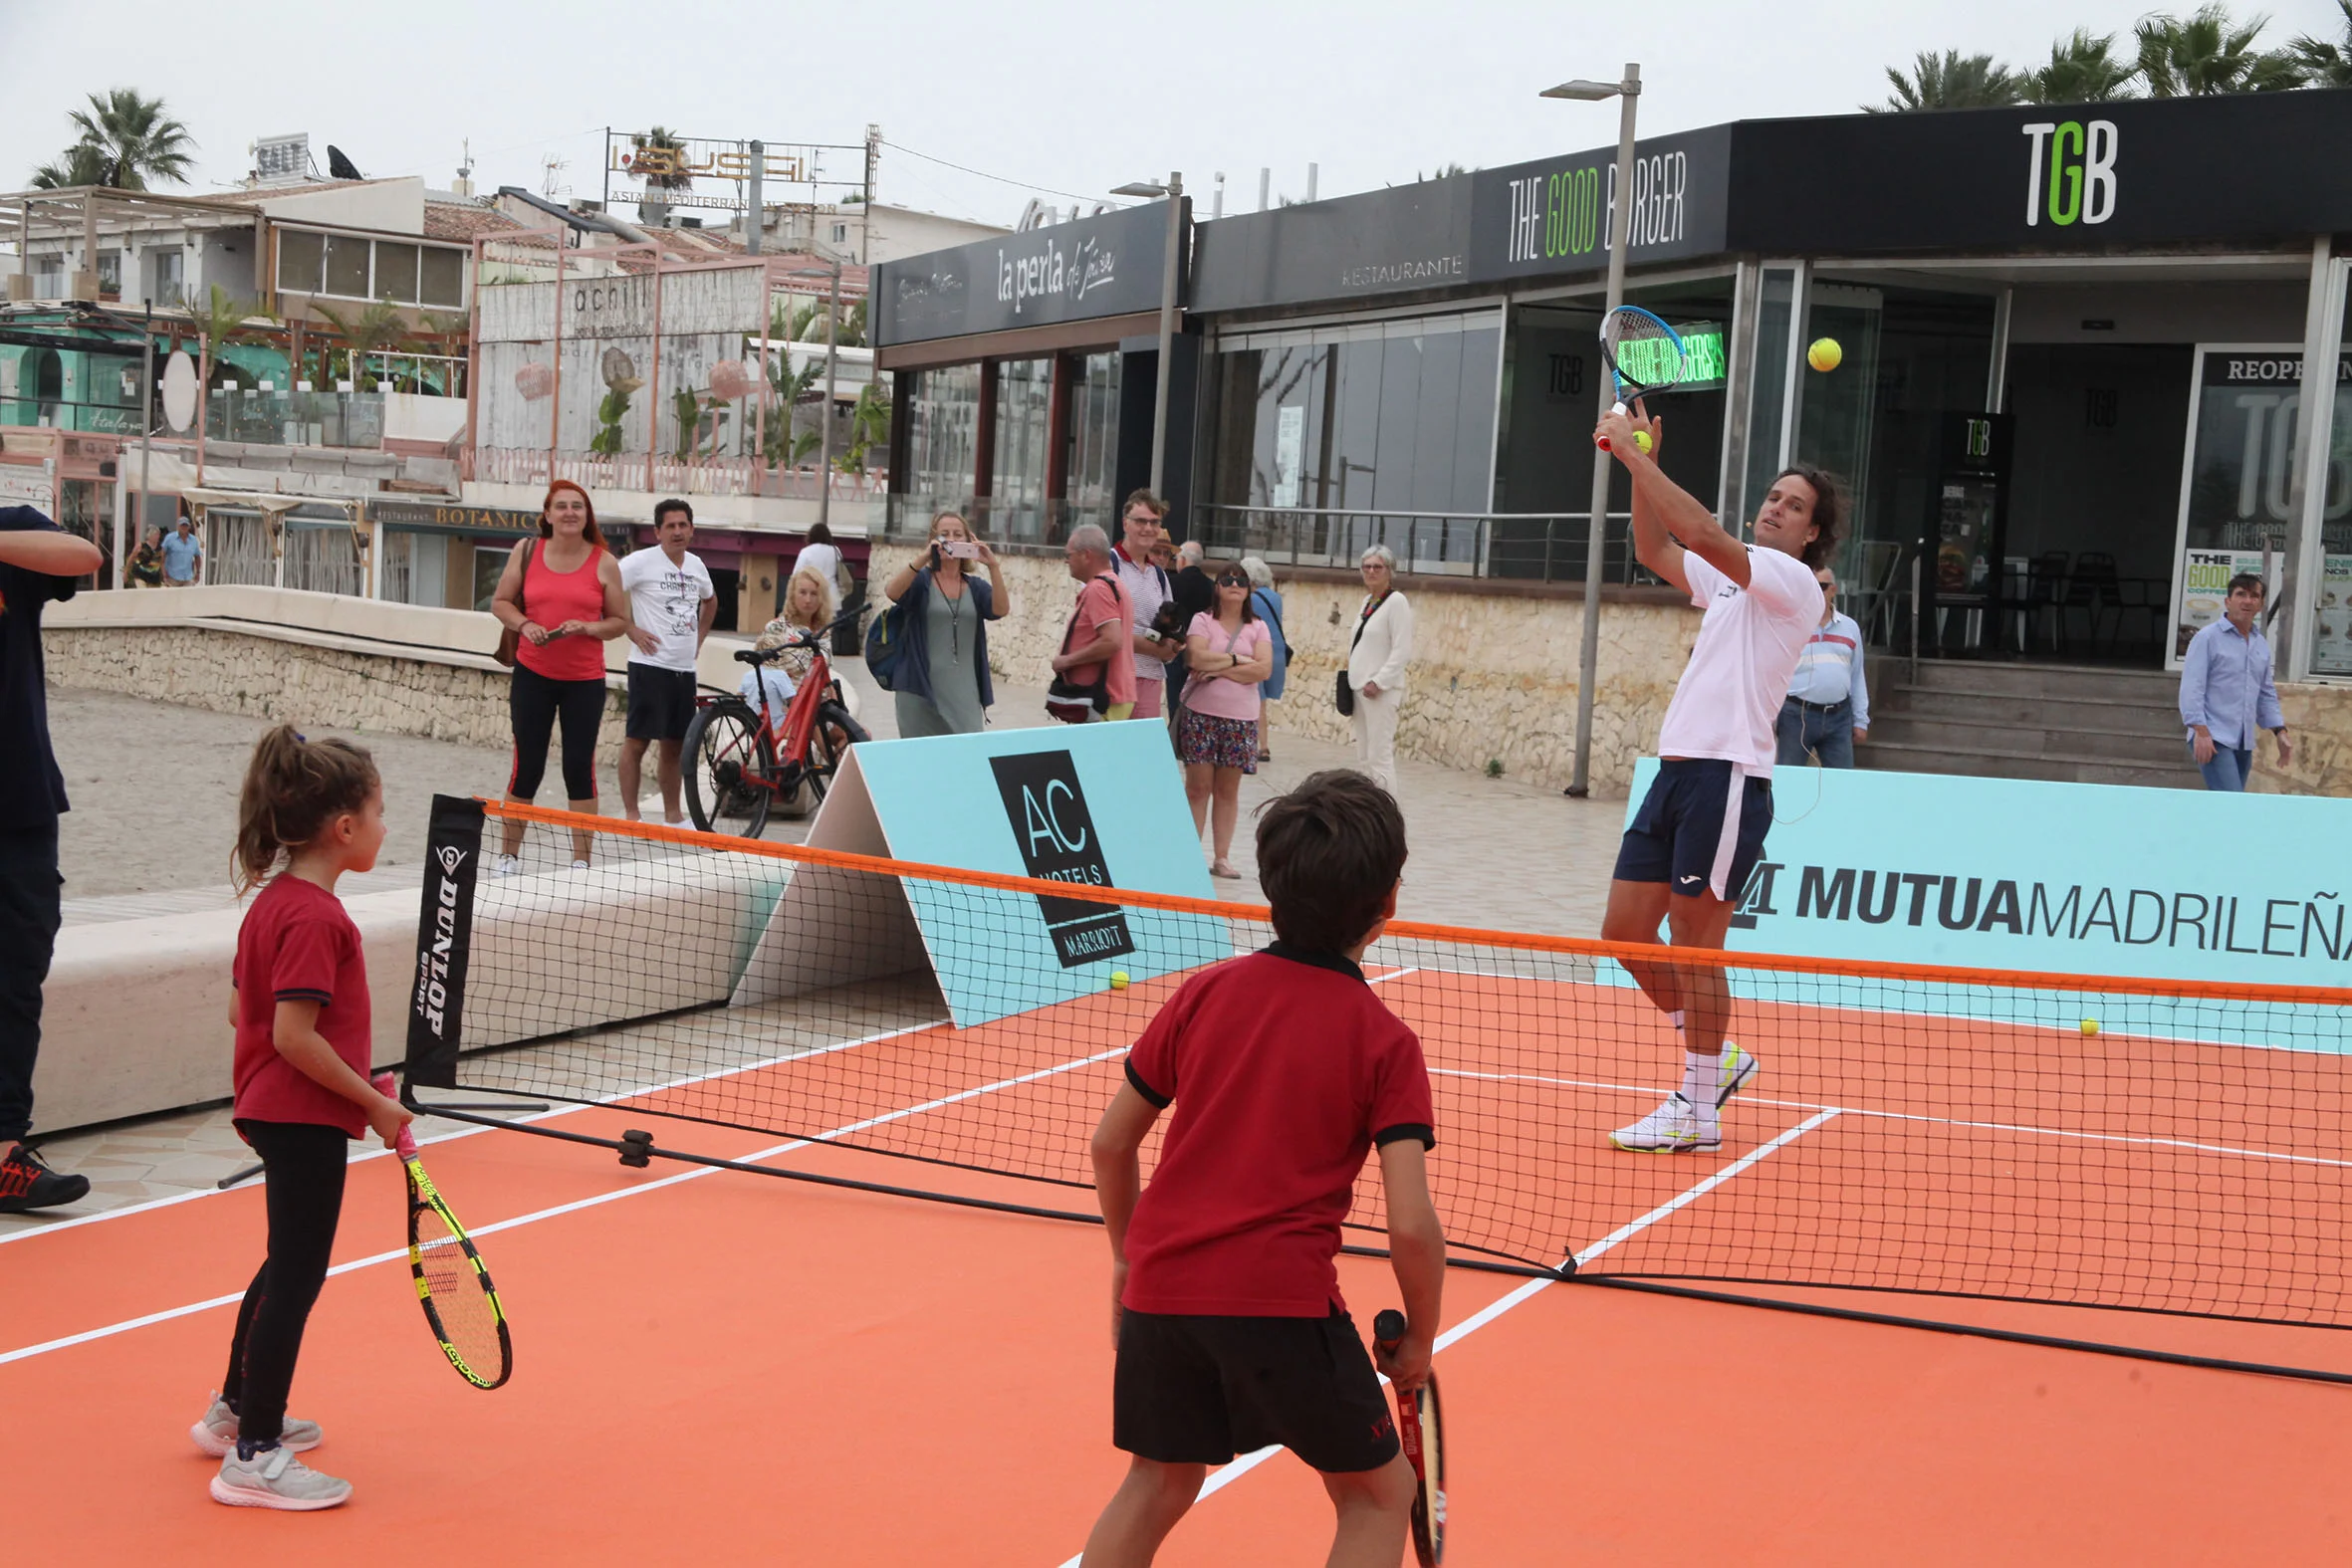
point(2070, 173)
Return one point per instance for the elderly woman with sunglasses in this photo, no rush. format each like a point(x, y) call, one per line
point(1376, 660)
point(1228, 651)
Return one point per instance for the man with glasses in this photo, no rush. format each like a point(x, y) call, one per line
point(1149, 587)
point(1828, 704)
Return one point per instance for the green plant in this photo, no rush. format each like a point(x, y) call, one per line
point(126, 141)
point(2211, 52)
point(869, 427)
point(1493, 768)
point(222, 320)
point(702, 420)
point(378, 327)
point(2082, 68)
point(2327, 64)
point(1949, 80)
point(781, 445)
point(609, 413)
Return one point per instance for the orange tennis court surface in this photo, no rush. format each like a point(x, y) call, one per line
point(717, 1367)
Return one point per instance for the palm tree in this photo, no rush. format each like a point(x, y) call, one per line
point(135, 140)
point(374, 327)
point(2326, 64)
point(79, 164)
point(2210, 52)
point(1949, 80)
point(661, 139)
point(2082, 69)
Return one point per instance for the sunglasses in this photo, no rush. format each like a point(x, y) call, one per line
point(1229, 581)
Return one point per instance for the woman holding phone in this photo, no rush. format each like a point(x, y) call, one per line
point(941, 686)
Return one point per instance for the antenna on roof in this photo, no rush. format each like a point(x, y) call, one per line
point(549, 168)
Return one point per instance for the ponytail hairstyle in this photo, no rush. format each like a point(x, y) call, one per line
point(293, 789)
point(593, 534)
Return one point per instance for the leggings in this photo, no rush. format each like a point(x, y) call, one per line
point(305, 1166)
point(533, 701)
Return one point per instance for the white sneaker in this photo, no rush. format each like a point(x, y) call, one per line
point(1738, 1068)
point(580, 865)
point(275, 1479)
point(506, 865)
point(1675, 1127)
point(216, 1433)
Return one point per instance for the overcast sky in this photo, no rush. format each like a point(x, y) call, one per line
point(1057, 98)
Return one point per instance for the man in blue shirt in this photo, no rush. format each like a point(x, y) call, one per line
point(1828, 705)
point(2227, 693)
point(182, 555)
point(38, 564)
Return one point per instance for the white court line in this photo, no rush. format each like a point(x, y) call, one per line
point(1242, 1464)
point(1914, 1116)
point(536, 1216)
point(377, 1150)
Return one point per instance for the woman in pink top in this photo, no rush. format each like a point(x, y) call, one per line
point(1229, 651)
point(561, 595)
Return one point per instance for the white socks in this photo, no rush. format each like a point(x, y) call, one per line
point(1699, 1083)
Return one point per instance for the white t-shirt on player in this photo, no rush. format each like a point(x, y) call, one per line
point(1728, 699)
point(667, 601)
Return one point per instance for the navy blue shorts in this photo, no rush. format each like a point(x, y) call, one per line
point(1700, 830)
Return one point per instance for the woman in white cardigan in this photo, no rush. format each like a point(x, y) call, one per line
point(1383, 646)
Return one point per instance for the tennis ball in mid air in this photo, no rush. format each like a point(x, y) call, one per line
point(2090, 1026)
point(1824, 354)
point(1118, 979)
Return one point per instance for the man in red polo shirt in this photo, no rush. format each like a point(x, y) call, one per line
point(1285, 1070)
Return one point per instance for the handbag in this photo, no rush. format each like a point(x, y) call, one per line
point(886, 643)
point(508, 639)
point(1344, 697)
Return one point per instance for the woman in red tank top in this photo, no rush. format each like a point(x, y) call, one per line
point(561, 595)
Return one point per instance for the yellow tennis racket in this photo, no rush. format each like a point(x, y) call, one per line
point(461, 1306)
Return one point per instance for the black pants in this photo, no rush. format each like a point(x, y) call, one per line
point(29, 915)
point(305, 1165)
point(532, 700)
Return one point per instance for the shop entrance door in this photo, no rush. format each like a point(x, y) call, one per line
point(2094, 498)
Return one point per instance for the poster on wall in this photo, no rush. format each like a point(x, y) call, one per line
point(2331, 639)
point(2235, 484)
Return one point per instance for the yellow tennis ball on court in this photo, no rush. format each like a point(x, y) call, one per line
point(1118, 979)
point(1824, 354)
point(1641, 439)
point(2090, 1026)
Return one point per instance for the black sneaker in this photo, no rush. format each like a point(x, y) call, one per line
point(27, 1182)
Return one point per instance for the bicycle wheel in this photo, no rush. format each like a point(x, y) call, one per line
point(727, 754)
point(833, 735)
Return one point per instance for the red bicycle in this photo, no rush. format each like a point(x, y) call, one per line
point(743, 762)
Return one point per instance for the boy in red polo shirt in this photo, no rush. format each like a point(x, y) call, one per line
point(1285, 1070)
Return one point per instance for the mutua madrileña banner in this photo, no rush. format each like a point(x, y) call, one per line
point(2058, 878)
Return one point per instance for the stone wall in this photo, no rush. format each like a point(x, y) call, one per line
point(1492, 677)
point(448, 698)
point(2319, 722)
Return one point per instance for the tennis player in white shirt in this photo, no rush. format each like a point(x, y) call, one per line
point(1701, 828)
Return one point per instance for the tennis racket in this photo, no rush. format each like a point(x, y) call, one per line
point(461, 1306)
point(1644, 355)
point(1421, 1429)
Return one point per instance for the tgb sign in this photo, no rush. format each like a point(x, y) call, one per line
point(2071, 171)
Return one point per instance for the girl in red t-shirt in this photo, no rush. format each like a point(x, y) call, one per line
point(301, 1013)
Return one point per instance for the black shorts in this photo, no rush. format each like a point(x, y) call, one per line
point(661, 701)
point(1200, 1389)
point(1700, 830)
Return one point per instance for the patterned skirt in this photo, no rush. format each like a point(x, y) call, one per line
point(1219, 741)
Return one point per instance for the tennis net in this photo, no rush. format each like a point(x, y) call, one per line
point(2138, 1145)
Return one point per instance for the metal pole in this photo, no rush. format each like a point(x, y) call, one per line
point(1596, 532)
point(146, 432)
point(750, 229)
point(2323, 331)
point(825, 426)
point(1159, 402)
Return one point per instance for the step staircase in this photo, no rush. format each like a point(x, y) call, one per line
point(2075, 723)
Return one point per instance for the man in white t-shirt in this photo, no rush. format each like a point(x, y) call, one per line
point(671, 607)
point(1701, 828)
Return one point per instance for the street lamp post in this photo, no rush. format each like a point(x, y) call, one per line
point(1174, 192)
point(1629, 93)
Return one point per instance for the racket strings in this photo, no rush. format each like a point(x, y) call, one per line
point(1643, 351)
point(459, 1295)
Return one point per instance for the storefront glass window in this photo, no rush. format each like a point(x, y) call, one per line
point(942, 422)
point(1094, 439)
point(1332, 438)
point(1017, 505)
point(1771, 370)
